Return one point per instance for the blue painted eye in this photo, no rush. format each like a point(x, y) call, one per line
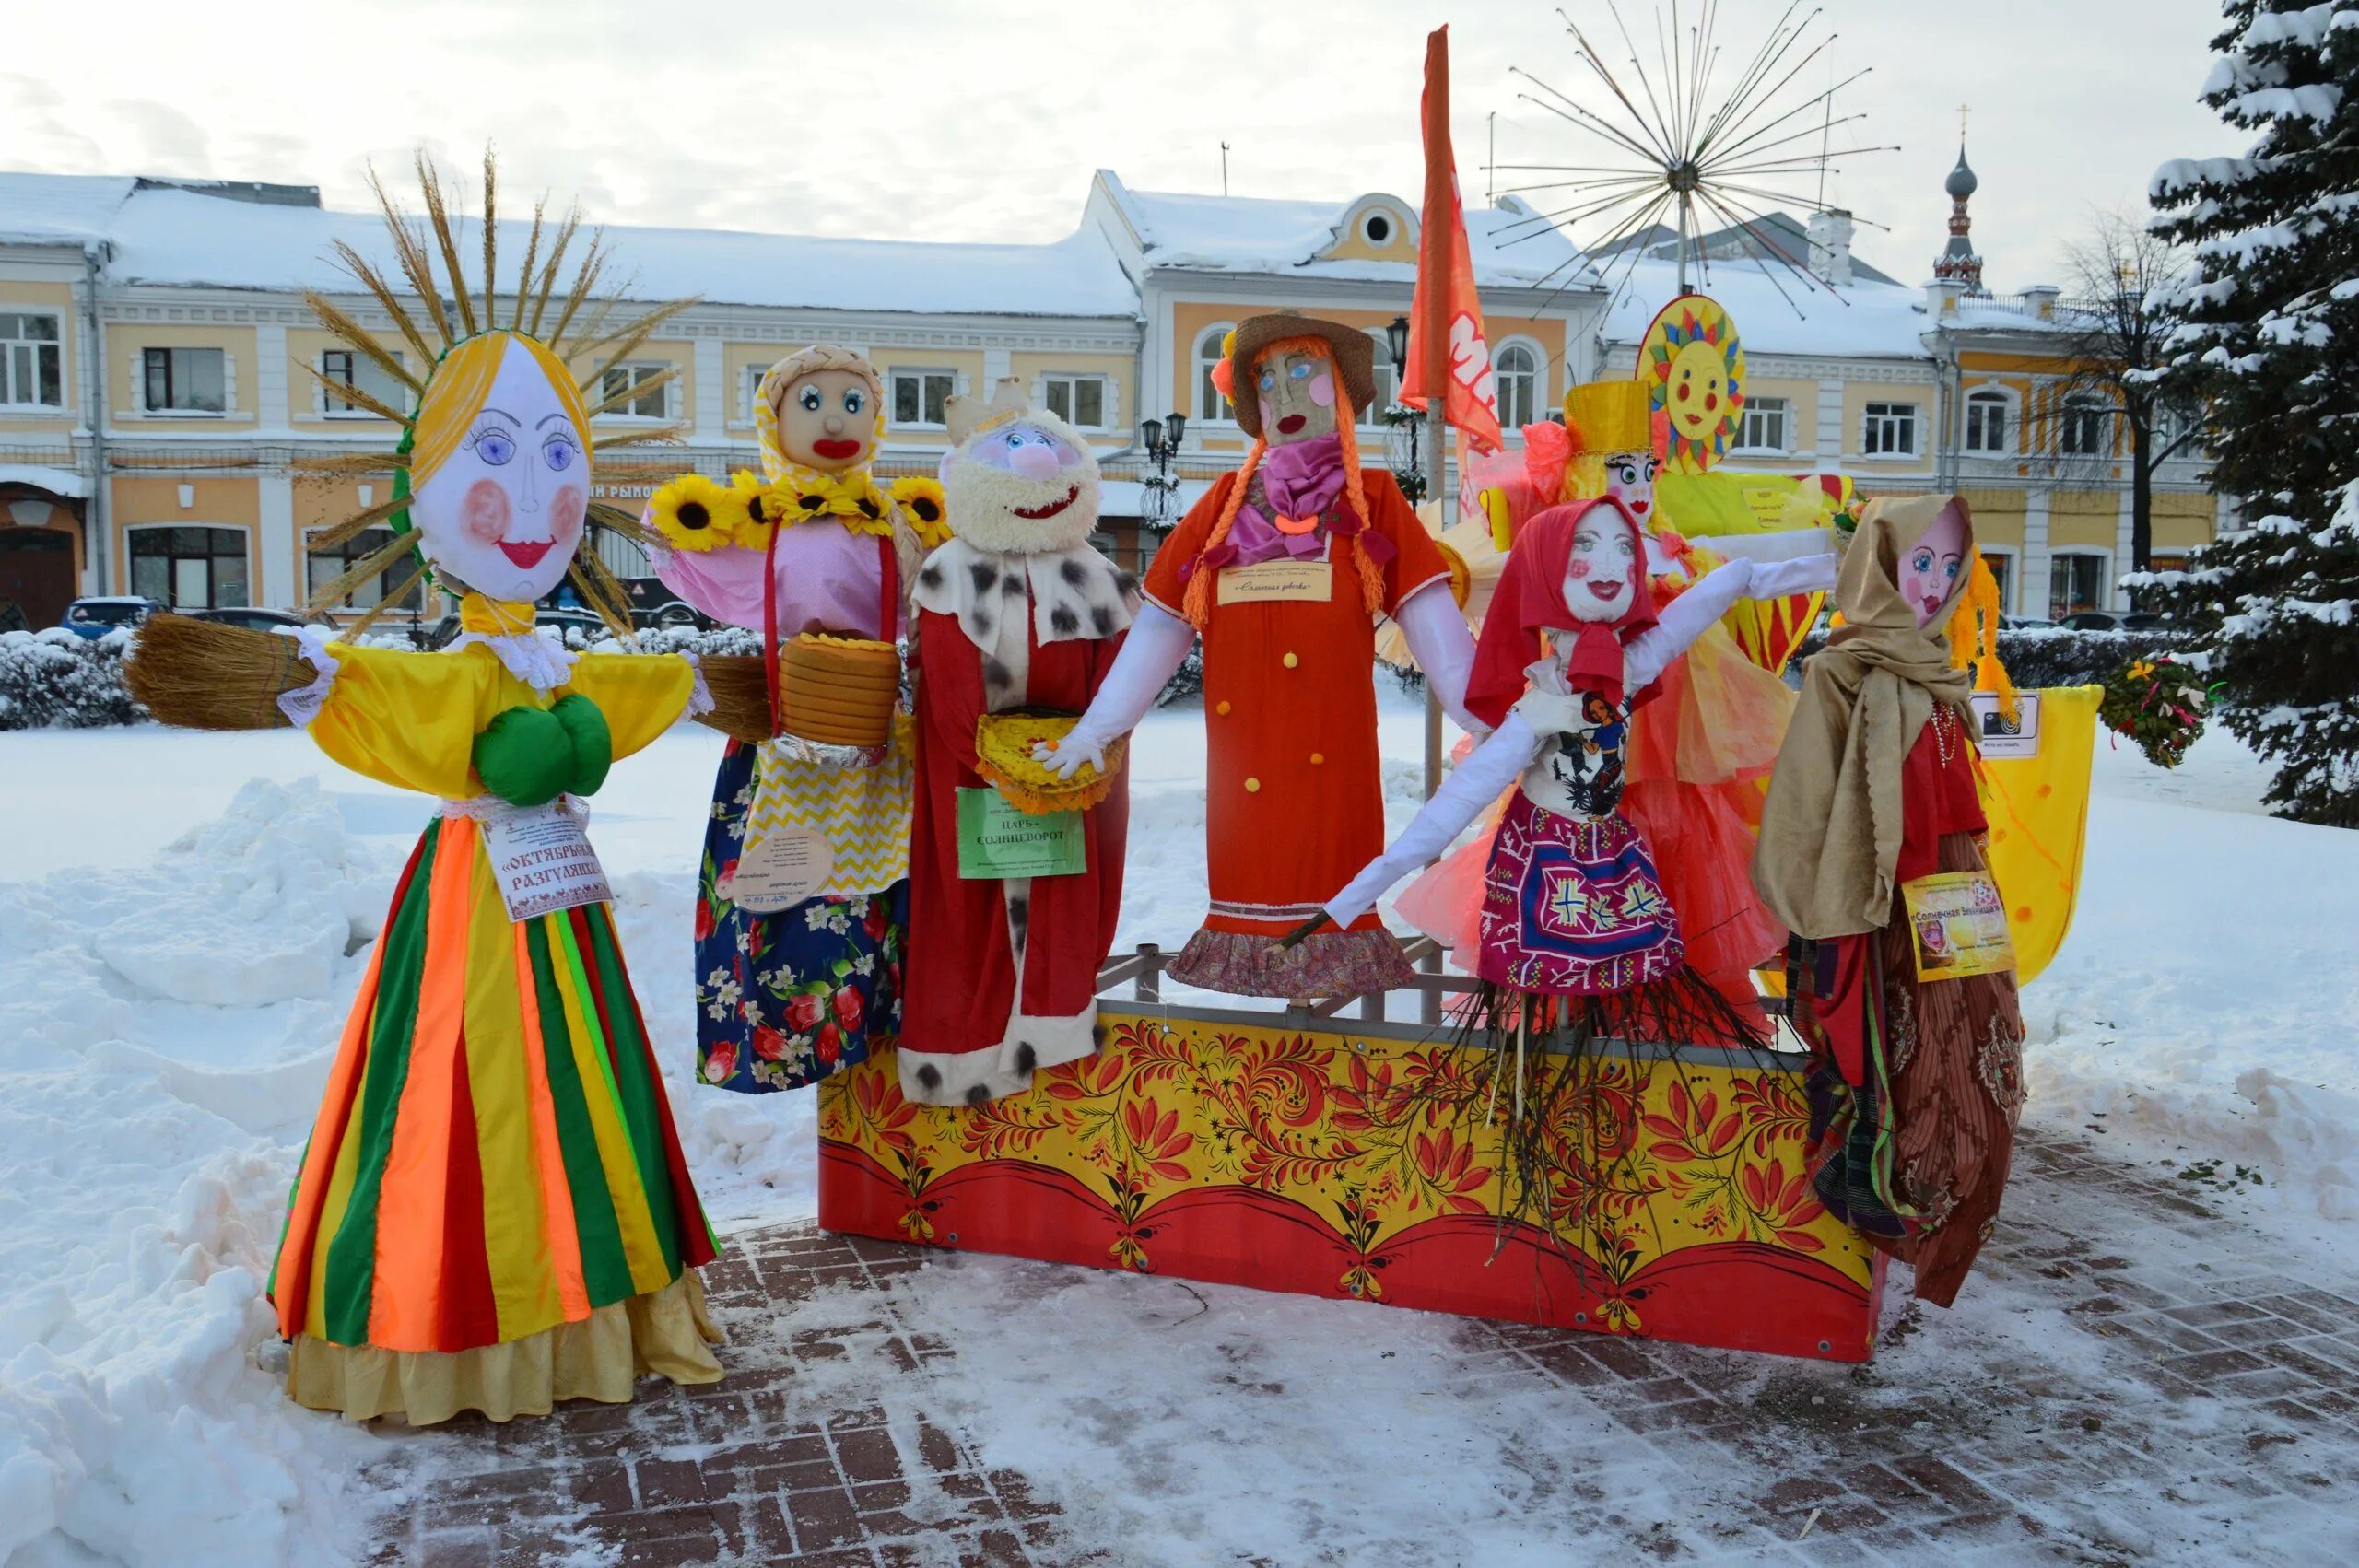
point(494, 447)
point(1300, 372)
point(854, 401)
point(1269, 380)
point(810, 399)
point(559, 452)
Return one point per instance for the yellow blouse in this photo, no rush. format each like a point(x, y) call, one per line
point(410, 720)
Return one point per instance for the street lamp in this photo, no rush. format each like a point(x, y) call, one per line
point(1396, 338)
point(1160, 440)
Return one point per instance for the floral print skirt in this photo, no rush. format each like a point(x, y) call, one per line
point(787, 999)
point(1572, 906)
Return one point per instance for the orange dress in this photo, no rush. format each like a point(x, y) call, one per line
point(1294, 802)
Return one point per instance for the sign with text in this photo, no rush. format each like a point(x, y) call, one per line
point(542, 861)
point(996, 841)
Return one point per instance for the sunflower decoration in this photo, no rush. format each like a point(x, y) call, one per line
point(499, 430)
point(693, 512)
point(2157, 702)
point(1693, 364)
point(920, 501)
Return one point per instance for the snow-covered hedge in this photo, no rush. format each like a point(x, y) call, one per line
point(2059, 656)
point(54, 680)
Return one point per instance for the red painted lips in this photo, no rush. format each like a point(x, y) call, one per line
point(1290, 424)
point(526, 555)
point(834, 451)
point(1034, 514)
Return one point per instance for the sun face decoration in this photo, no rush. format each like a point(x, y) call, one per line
point(1695, 374)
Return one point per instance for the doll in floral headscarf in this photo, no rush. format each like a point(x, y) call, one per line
point(1575, 930)
point(812, 547)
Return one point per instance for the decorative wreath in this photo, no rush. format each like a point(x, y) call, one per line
point(2157, 702)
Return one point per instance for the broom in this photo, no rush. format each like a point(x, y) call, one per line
point(204, 675)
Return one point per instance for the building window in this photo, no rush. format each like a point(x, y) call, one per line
point(1384, 378)
point(190, 567)
point(2081, 431)
point(1210, 404)
point(1080, 400)
point(1889, 430)
point(625, 381)
point(328, 564)
point(1517, 373)
point(343, 368)
point(750, 395)
point(921, 398)
point(1377, 228)
point(2075, 582)
point(1765, 428)
point(2002, 571)
point(186, 381)
point(31, 362)
point(1986, 422)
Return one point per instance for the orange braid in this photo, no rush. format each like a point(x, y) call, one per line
point(1372, 575)
point(1198, 603)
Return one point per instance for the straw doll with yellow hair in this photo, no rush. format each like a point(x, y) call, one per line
point(1284, 569)
point(799, 976)
point(493, 1212)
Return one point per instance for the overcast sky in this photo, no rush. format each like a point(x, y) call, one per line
point(943, 120)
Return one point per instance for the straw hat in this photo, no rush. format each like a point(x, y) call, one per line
point(1354, 357)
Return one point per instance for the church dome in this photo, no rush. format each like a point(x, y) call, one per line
point(1961, 183)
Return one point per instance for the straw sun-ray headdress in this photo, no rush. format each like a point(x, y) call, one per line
point(577, 320)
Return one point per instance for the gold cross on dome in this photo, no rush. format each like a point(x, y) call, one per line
point(1961, 124)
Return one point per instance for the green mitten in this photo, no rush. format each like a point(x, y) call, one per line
point(593, 743)
point(524, 756)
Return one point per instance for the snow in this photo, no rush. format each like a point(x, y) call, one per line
point(180, 939)
point(1257, 234)
point(59, 209)
point(1775, 311)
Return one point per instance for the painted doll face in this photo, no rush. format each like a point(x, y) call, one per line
point(827, 420)
point(1630, 478)
point(1297, 392)
point(504, 512)
point(1601, 577)
point(1023, 486)
point(1930, 567)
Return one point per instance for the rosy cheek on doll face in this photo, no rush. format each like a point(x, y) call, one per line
point(1322, 391)
point(1577, 569)
point(1269, 414)
point(485, 513)
point(567, 510)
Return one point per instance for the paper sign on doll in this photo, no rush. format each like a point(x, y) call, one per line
point(542, 861)
point(780, 869)
point(995, 839)
point(1958, 924)
point(2000, 736)
point(1266, 581)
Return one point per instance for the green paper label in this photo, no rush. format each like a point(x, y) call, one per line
point(995, 840)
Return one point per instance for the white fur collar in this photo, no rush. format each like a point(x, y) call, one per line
point(1074, 592)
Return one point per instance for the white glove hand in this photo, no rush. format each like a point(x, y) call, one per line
point(1066, 759)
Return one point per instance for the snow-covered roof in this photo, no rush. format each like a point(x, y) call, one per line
point(1509, 247)
point(56, 481)
point(60, 209)
point(182, 237)
point(1774, 313)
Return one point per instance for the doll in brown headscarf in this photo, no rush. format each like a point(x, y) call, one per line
point(1874, 815)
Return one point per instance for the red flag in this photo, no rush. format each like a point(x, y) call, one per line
point(1446, 314)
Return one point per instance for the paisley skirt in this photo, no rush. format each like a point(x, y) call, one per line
point(1572, 907)
point(787, 999)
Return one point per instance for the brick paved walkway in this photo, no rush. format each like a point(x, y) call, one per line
point(2132, 1379)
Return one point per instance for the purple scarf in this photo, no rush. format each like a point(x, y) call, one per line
point(1299, 480)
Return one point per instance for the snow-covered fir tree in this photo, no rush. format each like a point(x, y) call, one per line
point(2267, 340)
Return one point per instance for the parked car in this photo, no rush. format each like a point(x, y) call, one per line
point(2142, 621)
point(2024, 623)
point(565, 623)
point(2091, 620)
point(672, 612)
point(255, 619)
point(95, 617)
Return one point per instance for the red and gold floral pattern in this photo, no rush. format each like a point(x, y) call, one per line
point(1678, 1200)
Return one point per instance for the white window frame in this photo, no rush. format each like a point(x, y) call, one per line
point(1868, 418)
point(130, 556)
point(919, 373)
point(1539, 376)
point(399, 569)
point(1388, 387)
point(2012, 589)
point(321, 398)
point(1204, 355)
point(2083, 403)
point(640, 371)
point(56, 346)
point(749, 395)
point(228, 381)
point(2010, 409)
point(1109, 415)
point(2103, 558)
point(1390, 217)
point(1785, 406)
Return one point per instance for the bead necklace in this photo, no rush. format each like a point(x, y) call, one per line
point(1943, 719)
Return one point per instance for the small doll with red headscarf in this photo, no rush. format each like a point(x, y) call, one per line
point(1572, 907)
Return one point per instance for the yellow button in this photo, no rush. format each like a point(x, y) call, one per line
point(1290, 661)
point(1222, 708)
point(1317, 757)
point(1252, 786)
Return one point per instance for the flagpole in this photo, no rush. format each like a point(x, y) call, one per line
point(1435, 329)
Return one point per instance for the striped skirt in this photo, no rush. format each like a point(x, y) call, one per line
point(494, 1211)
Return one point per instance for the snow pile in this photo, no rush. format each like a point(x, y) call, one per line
point(54, 679)
point(145, 1148)
point(2205, 999)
